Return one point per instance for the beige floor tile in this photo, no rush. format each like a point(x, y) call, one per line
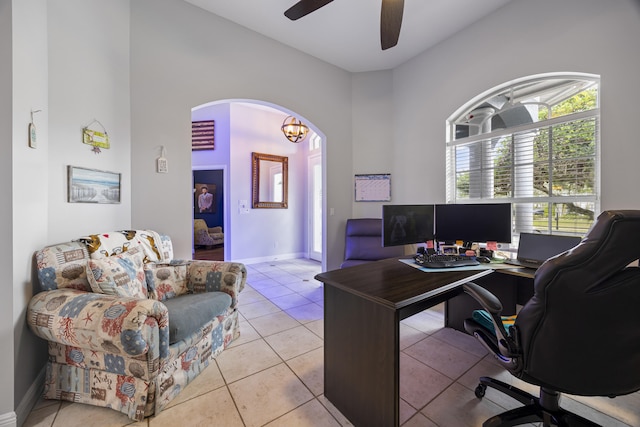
point(275, 291)
point(247, 333)
point(307, 313)
point(458, 406)
point(624, 408)
point(461, 340)
point(273, 323)
point(442, 356)
point(419, 383)
point(42, 416)
point(294, 342)
point(290, 301)
point(425, 322)
point(283, 277)
point(406, 411)
point(317, 327)
point(257, 309)
point(311, 414)
point(249, 296)
point(409, 336)
point(595, 415)
point(309, 367)
point(208, 380)
point(268, 395)
point(247, 359)
point(306, 287)
point(419, 420)
point(80, 415)
point(344, 422)
point(215, 408)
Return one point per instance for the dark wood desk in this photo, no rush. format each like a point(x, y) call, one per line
point(363, 307)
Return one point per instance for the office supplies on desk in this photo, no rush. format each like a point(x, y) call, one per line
point(536, 248)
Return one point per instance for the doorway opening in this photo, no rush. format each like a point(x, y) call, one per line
point(243, 127)
point(208, 214)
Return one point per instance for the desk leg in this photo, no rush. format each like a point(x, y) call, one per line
point(361, 358)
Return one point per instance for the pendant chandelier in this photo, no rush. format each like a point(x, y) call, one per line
point(294, 129)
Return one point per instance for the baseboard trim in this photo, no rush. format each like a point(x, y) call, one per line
point(8, 420)
point(279, 257)
point(30, 399)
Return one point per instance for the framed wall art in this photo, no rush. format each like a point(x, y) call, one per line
point(202, 135)
point(92, 186)
point(205, 198)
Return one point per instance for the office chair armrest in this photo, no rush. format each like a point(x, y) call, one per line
point(490, 303)
point(488, 300)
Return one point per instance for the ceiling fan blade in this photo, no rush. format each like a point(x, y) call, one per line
point(304, 7)
point(390, 22)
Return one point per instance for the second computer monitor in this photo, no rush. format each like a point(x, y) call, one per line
point(480, 223)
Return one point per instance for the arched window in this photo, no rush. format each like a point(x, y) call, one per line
point(535, 143)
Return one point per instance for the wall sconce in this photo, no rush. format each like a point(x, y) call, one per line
point(294, 129)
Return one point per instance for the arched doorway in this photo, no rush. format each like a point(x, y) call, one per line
point(255, 235)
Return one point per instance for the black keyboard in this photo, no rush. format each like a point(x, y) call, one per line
point(444, 261)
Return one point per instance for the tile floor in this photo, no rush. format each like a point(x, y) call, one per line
point(273, 376)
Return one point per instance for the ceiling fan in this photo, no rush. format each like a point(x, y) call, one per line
point(390, 17)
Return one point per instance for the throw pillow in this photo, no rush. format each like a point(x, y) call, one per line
point(121, 275)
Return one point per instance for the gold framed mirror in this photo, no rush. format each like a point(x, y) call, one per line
point(269, 181)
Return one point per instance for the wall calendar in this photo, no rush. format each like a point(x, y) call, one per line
point(373, 187)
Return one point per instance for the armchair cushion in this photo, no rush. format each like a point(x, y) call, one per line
point(120, 275)
point(166, 280)
point(190, 312)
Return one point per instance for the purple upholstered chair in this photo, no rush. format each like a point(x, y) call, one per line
point(363, 242)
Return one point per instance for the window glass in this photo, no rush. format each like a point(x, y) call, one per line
point(534, 143)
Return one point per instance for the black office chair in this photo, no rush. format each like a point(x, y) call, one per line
point(579, 333)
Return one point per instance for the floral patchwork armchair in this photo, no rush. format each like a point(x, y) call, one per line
point(127, 326)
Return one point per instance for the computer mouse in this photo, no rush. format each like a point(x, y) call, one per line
point(483, 259)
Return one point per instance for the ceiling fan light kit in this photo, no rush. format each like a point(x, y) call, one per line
point(390, 17)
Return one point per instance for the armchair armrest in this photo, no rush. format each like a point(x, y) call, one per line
point(209, 276)
point(108, 323)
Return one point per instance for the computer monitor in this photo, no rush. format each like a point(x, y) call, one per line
point(479, 223)
point(406, 224)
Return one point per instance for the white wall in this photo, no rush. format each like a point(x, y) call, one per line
point(89, 79)
point(70, 59)
point(202, 159)
point(7, 355)
point(373, 139)
point(29, 175)
point(264, 234)
point(520, 39)
point(182, 57)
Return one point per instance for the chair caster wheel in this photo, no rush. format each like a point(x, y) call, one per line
point(480, 391)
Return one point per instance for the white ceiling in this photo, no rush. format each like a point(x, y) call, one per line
point(346, 33)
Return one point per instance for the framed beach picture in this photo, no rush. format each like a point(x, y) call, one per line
point(92, 186)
